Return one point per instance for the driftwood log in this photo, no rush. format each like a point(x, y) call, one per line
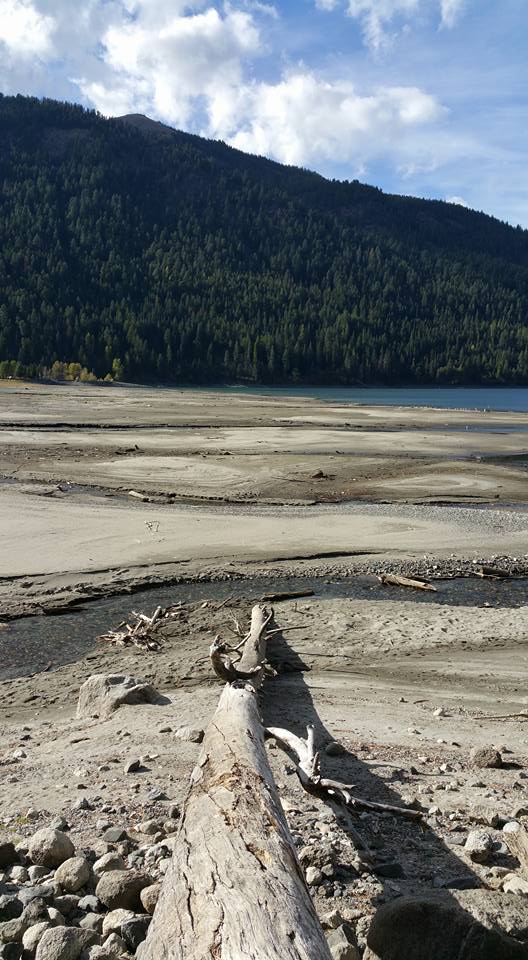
point(396, 580)
point(234, 889)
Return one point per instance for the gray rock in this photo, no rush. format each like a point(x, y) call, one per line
point(33, 934)
point(192, 734)
point(18, 874)
point(89, 903)
point(132, 766)
point(66, 903)
point(50, 848)
point(59, 824)
point(73, 874)
point(37, 873)
point(314, 877)
point(56, 917)
point(114, 946)
point(109, 861)
point(134, 931)
point(150, 827)
point(92, 921)
point(418, 927)
point(114, 920)
point(8, 854)
point(343, 944)
point(334, 749)
point(149, 897)
point(122, 888)
point(43, 891)
point(485, 757)
point(101, 694)
point(83, 804)
point(115, 835)
point(60, 943)
point(479, 846)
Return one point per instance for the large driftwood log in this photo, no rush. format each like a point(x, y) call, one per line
point(235, 889)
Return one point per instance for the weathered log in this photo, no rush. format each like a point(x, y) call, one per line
point(493, 573)
point(286, 595)
point(395, 580)
point(234, 889)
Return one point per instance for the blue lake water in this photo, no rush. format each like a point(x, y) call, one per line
point(451, 398)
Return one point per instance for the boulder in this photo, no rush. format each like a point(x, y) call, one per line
point(114, 946)
point(109, 861)
point(479, 846)
point(114, 920)
point(149, 897)
point(134, 931)
point(343, 944)
point(121, 889)
point(485, 757)
point(33, 934)
point(515, 884)
point(73, 874)
point(417, 927)
point(192, 734)
point(60, 943)
point(50, 848)
point(103, 693)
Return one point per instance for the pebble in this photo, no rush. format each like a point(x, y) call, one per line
point(191, 734)
point(485, 757)
point(479, 845)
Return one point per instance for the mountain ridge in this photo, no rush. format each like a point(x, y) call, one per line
point(184, 259)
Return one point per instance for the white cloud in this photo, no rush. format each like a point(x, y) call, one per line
point(303, 119)
point(460, 202)
point(166, 64)
point(24, 30)
point(376, 16)
point(450, 10)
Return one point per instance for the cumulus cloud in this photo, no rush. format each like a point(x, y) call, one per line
point(460, 202)
point(303, 119)
point(166, 63)
point(376, 16)
point(24, 30)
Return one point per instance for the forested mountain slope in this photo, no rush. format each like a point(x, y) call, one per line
point(183, 259)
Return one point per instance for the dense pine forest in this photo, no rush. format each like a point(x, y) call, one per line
point(132, 250)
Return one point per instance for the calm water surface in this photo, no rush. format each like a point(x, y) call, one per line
point(450, 398)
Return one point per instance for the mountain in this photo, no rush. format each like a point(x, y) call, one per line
point(132, 247)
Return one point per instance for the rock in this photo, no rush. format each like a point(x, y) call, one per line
point(33, 935)
point(418, 927)
point(479, 845)
point(83, 804)
point(101, 694)
point(92, 921)
point(343, 944)
point(192, 734)
point(109, 861)
point(50, 848)
point(485, 814)
point(121, 888)
point(114, 920)
point(512, 883)
point(44, 891)
point(115, 835)
point(149, 897)
point(56, 917)
point(114, 946)
point(151, 827)
point(135, 930)
point(334, 749)
point(60, 943)
point(12, 931)
point(8, 854)
point(485, 757)
point(60, 823)
point(132, 766)
point(73, 874)
point(18, 874)
point(37, 873)
point(66, 903)
point(314, 877)
point(89, 903)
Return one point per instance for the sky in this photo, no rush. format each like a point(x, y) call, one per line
point(419, 97)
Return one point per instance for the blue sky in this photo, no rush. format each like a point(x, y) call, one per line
point(421, 97)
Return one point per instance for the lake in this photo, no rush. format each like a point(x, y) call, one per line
point(451, 398)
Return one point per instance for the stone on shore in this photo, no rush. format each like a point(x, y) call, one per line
point(50, 848)
point(102, 694)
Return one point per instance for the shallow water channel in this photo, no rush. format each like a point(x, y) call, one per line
point(32, 644)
